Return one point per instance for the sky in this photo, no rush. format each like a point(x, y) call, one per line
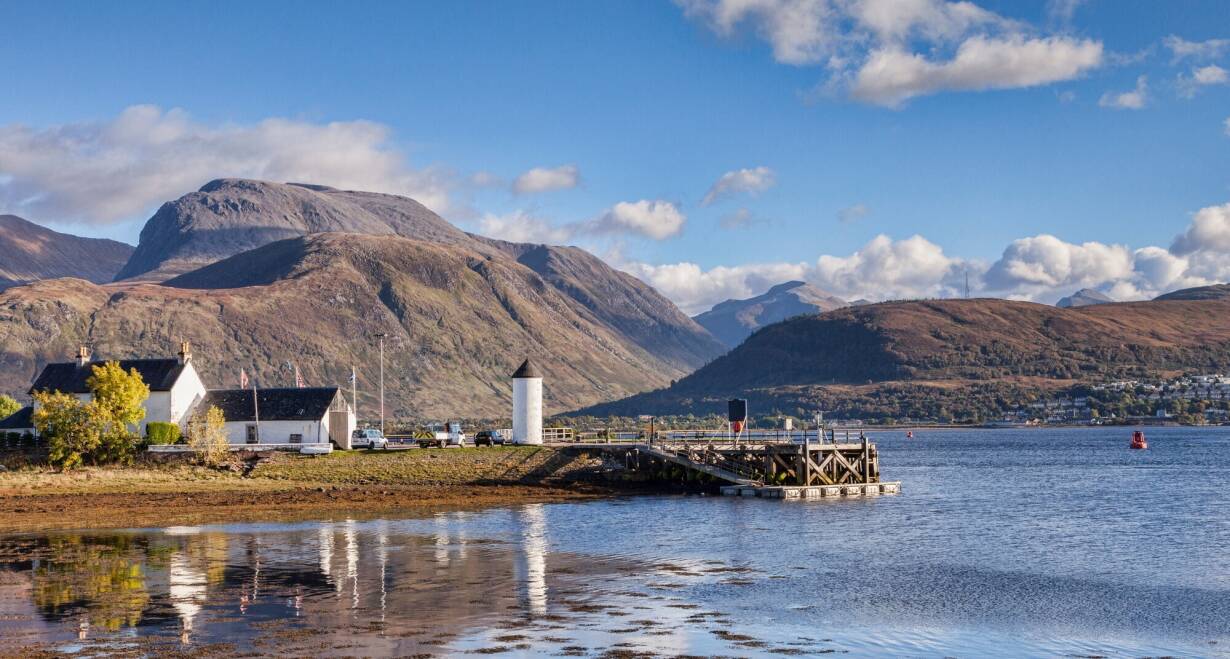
point(879, 149)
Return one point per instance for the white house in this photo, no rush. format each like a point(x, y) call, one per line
point(175, 388)
point(301, 415)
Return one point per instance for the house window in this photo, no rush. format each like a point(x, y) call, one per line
point(252, 437)
point(296, 438)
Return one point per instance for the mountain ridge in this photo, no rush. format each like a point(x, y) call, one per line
point(33, 252)
point(732, 321)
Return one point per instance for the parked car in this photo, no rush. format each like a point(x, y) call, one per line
point(489, 438)
point(441, 435)
point(370, 438)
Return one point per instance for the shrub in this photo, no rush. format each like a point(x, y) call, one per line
point(8, 406)
point(207, 434)
point(162, 433)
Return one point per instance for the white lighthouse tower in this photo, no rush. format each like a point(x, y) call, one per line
point(527, 404)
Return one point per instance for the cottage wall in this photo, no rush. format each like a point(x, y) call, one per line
point(187, 392)
point(278, 432)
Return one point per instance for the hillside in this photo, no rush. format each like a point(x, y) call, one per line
point(32, 252)
point(733, 321)
point(458, 322)
point(227, 217)
point(1083, 298)
point(890, 356)
point(1214, 292)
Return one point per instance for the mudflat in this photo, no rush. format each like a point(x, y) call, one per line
point(287, 487)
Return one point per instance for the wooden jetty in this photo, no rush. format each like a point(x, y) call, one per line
point(765, 466)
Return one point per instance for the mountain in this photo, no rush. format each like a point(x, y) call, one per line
point(229, 216)
point(733, 321)
point(916, 358)
point(1083, 298)
point(457, 322)
point(32, 252)
point(241, 270)
point(1214, 292)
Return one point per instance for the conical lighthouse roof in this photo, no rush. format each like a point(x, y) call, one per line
point(527, 370)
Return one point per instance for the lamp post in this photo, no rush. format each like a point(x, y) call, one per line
point(381, 337)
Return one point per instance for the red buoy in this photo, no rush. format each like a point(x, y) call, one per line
point(1138, 439)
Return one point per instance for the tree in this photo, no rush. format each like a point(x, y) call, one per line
point(73, 429)
point(8, 406)
point(120, 398)
point(207, 434)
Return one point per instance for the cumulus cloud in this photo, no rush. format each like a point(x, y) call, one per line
point(521, 227)
point(741, 181)
point(653, 219)
point(893, 75)
point(544, 179)
point(1204, 76)
point(1129, 100)
point(853, 213)
point(1040, 268)
point(886, 52)
point(105, 171)
point(695, 290)
point(1182, 49)
point(1209, 231)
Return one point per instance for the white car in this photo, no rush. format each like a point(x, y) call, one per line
point(369, 438)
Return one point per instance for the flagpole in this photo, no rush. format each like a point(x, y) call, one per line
point(354, 391)
point(256, 413)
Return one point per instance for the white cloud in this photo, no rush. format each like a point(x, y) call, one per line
point(740, 219)
point(1129, 100)
point(544, 179)
point(1226, 125)
point(520, 227)
point(695, 290)
point(853, 213)
point(1204, 76)
point(1181, 48)
point(750, 181)
point(886, 52)
point(653, 219)
point(1037, 265)
point(1209, 231)
point(1062, 10)
point(892, 75)
point(112, 170)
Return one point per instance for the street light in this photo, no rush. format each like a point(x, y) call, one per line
point(381, 337)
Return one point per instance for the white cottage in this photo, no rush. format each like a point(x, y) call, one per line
point(175, 388)
point(301, 415)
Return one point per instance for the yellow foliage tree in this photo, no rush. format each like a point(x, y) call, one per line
point(73, 429)
point(120, 397)
point(207, 434)
point(8, 406)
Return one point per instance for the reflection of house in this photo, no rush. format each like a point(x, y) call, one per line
point(174, 386)
point(305, 415)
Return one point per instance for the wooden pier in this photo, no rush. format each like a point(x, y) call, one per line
point(764, 467)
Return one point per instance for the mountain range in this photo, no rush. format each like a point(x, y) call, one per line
point(1083, 298)
point(733, 321)
point(32, 252)
point(928, 359)
point(262, 275)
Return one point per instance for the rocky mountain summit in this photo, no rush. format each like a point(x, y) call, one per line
point(733, 321)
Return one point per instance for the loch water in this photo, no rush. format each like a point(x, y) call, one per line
point(1031, 542)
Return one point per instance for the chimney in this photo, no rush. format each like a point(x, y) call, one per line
point(83, 356)
point(185, 352)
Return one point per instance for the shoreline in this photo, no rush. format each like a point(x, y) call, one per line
point(288, 487)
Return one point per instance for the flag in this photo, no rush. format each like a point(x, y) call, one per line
point(353, 378)
point(298, 378)
point(243, 379)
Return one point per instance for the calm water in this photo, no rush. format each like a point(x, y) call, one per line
point(1007, 543)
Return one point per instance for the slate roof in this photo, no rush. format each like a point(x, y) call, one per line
point(20, 420)
point(283, 404)
point(527, 370)
point(69, 378)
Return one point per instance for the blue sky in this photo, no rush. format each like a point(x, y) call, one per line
point(879, 148)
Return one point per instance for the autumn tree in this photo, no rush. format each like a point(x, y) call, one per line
point(72, 429)
point(207, 435)
point(120, 398)
point(8, 406)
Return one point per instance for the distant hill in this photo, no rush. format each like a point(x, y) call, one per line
point(1214, 292)
point(31, 252)
point(914, 358)
point(1083, 298)
point(733, 321)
